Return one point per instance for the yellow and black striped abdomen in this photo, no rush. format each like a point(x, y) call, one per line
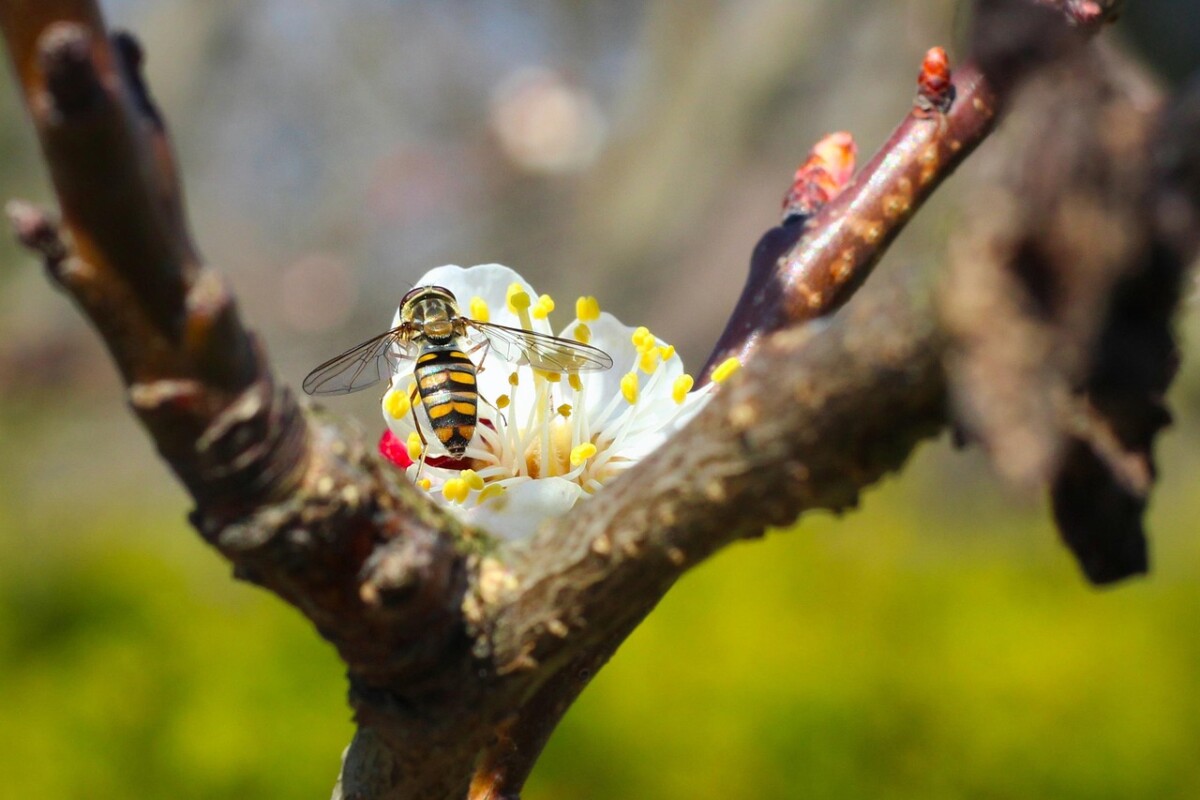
point(446, 383)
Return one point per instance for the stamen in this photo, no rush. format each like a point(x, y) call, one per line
point(516, 298)
point(512, 434)
point(604, 419)
point(587, 309)
point(642, 339)
point(414, 445)
point(543, 307)
point(425, 483)
point(581, 453)
point(488, 473)
point(549, 464)
point(502, 402)
point(667, 352)
point(548, 376)
point(629, 387)
point(725, 369)
point(484, 454)
point(648, 360)
point(583, 333)
point(456, 490)
point(490, 491)
point(396, 404)
point(580, 425)
point(564, 410)
point(518, 302)
point(683, 385)
point(492, 447)
point(478, 309)
point(471, 478)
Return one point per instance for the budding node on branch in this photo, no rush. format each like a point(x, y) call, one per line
point(828, 170)
point(65, 58)
point(935, 92)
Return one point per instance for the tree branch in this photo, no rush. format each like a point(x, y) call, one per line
point(796, 432)
point(808, 268)
point(295, 507)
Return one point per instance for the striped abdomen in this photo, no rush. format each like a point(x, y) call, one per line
point(446, 383)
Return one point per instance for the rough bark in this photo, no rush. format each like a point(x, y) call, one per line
point(462, 655)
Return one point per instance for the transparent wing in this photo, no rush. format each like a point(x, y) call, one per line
point(362, 365)
point(540, 351)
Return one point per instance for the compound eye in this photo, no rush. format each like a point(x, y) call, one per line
point(411, 293)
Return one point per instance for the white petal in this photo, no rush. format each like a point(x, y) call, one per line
point(523, 506)
point(489, 282)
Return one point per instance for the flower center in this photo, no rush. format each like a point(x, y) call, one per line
point(560, 444)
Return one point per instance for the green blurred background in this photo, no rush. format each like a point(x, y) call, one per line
point(936, 643)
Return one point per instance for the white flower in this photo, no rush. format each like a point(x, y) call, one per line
point(544, 440)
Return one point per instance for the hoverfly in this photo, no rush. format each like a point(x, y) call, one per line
point(439, 341)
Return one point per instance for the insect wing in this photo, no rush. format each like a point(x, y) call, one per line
point(362, 365)
point(541, 351)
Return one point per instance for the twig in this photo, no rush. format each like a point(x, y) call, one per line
point(809, 268)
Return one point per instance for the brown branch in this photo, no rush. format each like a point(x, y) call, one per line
point(808, 268)
point(843, 408)
point(293, 505)
point(796, 432)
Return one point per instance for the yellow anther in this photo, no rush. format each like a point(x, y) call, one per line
point(642, 339)
point(547, 375)
point(396, 404)
point(456, 490)
point(667, 352)
point(587, 309)
point(725, 369)
point(502, 401)
point(575, 381)
point(564, 410)
point(513, 379)
point(581, 453)
point(648, 360)
point(478, 309)
point(629, 387)
point(516, 298)
point(543, 307)
point(583, 333)
point(683, 384)
point(425, 483)
point(490, 491)
point(414, 445)
point(471, 478)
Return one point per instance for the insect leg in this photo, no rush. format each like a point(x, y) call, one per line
point(413, 399)
point(486, 345)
